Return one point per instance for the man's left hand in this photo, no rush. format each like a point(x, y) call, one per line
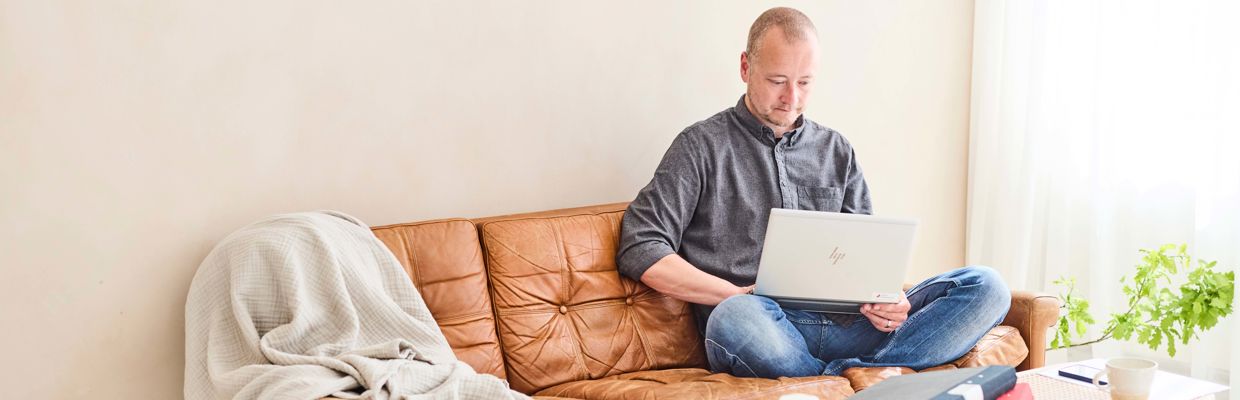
point(887, 317)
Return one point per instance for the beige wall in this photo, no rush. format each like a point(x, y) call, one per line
point(135, 134)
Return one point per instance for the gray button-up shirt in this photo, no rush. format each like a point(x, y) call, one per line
point(712, 194)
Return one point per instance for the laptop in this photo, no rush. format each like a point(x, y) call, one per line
point(834, 262)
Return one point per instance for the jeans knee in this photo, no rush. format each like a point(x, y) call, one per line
point(748, 335)
point(738, 311)
point(991, 287)
point(757, 344)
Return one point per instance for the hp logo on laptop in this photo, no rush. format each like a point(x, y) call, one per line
point(836, 255)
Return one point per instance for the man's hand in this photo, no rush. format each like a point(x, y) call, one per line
point(887, 317)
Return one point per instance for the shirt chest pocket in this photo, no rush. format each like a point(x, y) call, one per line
point(820, 198)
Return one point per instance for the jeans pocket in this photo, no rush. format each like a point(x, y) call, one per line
point(817, 198)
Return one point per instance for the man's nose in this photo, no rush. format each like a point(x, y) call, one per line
point(789, 95)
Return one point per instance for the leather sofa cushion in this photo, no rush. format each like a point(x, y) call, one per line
point(1003, 345)
point(862, 378)
point(696, 383)
point(565, 314)
point(444, 261)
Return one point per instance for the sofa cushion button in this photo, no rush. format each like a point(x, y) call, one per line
point(628, 300)
point(563, 310)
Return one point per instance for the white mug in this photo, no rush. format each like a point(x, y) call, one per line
point(1129, 378)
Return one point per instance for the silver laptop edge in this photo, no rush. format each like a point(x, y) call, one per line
point(834, 262)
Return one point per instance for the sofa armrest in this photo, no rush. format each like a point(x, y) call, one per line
point(1032, 314)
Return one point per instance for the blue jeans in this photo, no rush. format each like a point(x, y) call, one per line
point(752, 336)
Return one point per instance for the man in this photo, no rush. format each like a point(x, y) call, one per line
point(695, 231)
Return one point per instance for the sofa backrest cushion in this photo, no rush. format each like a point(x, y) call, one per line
point(444, 261)
point(565, 313)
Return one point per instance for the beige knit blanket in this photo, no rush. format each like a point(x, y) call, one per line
point(303, 306)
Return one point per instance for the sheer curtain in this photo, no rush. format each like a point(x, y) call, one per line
point(1099, 128)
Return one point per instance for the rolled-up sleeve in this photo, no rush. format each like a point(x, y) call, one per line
point(655, 221)
point(856, 191)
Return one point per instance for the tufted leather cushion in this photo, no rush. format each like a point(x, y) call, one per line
point(445, 263)
point(696, 383)
point(565, 314)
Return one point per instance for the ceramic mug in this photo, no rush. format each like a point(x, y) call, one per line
point(1128, 378)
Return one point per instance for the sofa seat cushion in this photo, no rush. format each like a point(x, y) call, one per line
point(697, 383)
point(1003, 345)
point(862, 378)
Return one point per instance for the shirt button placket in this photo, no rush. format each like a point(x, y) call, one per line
point(785, 194)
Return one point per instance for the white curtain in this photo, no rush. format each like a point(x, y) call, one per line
point(1099, 128)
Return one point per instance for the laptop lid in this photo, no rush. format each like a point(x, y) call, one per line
point(834, 262)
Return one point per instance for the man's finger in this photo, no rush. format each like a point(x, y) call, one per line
point(879, 322)
point(870, 315)
point(894, 316)
point(901, 306)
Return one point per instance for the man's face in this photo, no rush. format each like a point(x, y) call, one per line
point(779, 80)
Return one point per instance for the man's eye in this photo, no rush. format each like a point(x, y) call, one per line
point(778, 82)
point(803, 83)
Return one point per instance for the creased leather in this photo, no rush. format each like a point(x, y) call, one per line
point(565, 314)
point(696, 383)
point(444, 261)
point(862, 378)
point(1003, 345)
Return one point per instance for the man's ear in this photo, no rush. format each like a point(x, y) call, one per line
point(744, 67)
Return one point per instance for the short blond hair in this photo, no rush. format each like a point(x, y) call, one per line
point(795, 24)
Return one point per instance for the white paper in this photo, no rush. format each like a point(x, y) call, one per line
point(1166, 385)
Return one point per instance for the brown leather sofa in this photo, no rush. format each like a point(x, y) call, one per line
point(535, 299)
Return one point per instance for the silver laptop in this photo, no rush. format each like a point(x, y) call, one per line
point(834, 262)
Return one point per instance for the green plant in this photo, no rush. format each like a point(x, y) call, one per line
point(1156, 314)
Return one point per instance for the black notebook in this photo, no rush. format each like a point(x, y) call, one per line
point(980, 383)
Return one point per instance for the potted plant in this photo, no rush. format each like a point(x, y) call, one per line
point(1158, 312)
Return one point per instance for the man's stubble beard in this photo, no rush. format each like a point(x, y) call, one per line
point(767, 116)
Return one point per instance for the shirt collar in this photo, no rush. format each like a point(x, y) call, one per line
point(751, 124)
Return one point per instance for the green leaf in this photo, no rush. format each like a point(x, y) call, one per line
point(1158, 311)
point(1143, 336)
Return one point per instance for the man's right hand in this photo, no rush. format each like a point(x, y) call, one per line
point(887, 317)
point(675, 277)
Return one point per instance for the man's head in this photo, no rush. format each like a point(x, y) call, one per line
point(778, 67)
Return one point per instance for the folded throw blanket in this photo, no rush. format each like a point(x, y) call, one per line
point(304, 306)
